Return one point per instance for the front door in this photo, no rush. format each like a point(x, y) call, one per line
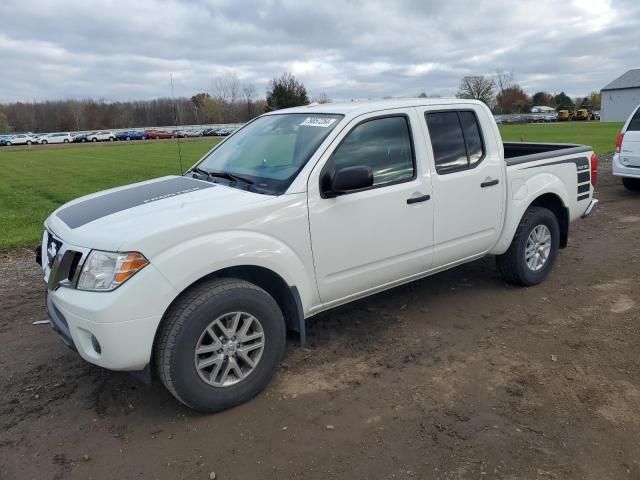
point(378, 235)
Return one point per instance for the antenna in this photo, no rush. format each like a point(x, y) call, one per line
point(175, 111)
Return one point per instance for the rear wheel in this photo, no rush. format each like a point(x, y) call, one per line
point(533, 250)
point(94, 139)
point(65, 141)
point(220, 344)
point(44, 142)
point(631, 183)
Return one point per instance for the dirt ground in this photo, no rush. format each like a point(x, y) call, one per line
point(457, 376)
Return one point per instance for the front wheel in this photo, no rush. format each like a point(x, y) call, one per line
point(44, 142)
point(220, 344)
point(631, 183)
point(533, 250)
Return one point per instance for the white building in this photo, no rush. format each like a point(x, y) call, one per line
point(620, 97)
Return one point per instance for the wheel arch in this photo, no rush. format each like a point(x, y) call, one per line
point(287, 297)
point(554, 203)
point(550, 199)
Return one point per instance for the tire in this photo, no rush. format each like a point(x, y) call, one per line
point(185, 325)
point(513, 263)
point(631, 183)
point(94, 139)
point(65, 141)
point(44, 142)
point(83, 140)
point(128, 139)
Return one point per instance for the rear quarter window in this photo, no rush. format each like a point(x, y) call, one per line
point(634, 124)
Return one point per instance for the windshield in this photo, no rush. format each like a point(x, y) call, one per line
point(271, 150)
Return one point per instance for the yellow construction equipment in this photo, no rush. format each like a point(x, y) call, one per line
point(565, 114)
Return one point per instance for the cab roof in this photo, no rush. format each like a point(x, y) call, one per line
point(356, 108)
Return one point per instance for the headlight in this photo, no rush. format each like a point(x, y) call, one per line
point(104, 271)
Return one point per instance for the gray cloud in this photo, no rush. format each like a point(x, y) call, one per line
point(348, 49)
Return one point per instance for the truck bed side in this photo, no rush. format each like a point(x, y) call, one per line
point(557, 176)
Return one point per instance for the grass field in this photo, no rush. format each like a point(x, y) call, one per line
point(601, 136)
point(35, 182)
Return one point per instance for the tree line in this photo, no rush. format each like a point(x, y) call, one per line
point(503, 95)
point(230, 101)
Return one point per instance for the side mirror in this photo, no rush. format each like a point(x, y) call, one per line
point(349, 179)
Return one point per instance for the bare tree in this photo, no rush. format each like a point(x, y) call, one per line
point(504, 80)
point(322, 98)
point(227, 87)
point(478, 88)
point(249, 93)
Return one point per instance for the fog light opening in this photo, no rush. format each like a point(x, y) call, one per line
point(96, 344)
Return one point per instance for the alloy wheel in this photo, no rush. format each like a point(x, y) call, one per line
point(229, 349)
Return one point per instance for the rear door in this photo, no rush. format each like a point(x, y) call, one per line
point(630, 150)
point(468, 182)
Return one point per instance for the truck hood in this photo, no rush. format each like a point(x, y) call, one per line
point(125, 216)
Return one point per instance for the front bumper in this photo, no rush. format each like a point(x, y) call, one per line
point(620, 170)
point(116, 329)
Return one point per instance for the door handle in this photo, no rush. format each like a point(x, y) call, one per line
point(489, 183)
point(422, 198)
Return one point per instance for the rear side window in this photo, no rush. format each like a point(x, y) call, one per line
point(634, 124)
point(384, 144)
point(456, 140)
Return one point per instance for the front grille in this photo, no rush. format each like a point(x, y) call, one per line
point(63, 262)
point(73, 268)
point(53, 247)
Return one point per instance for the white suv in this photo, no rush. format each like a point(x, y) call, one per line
point(56, 138)
point(626, 161)
point(22, 139)
point(101, 136)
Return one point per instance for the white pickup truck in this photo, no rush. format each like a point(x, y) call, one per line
point(197, 278)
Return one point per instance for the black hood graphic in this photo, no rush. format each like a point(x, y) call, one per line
point(82, 213)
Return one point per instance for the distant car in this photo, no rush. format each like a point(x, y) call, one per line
point(38, 137)
point(158, 134)
point(131, 135)
point(56, 138)
point(101, 136)
point(4, 139)
point(180, 133)
point(209, 132)
point(20, 139)
point(223, 132)
point(192, 133)
point(80, 137)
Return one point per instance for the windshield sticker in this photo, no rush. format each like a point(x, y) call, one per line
point(323, 122)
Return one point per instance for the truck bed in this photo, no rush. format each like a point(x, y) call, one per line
point(522, 152)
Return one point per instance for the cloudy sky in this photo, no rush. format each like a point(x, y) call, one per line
point(122, 50)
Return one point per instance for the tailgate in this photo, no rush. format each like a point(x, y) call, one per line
point(630, 150)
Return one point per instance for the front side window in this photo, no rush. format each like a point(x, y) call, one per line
point(271, 150)
point(384, 145)
point(456, 140)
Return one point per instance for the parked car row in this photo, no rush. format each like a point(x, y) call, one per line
point(31, 139)
point(110, 136)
